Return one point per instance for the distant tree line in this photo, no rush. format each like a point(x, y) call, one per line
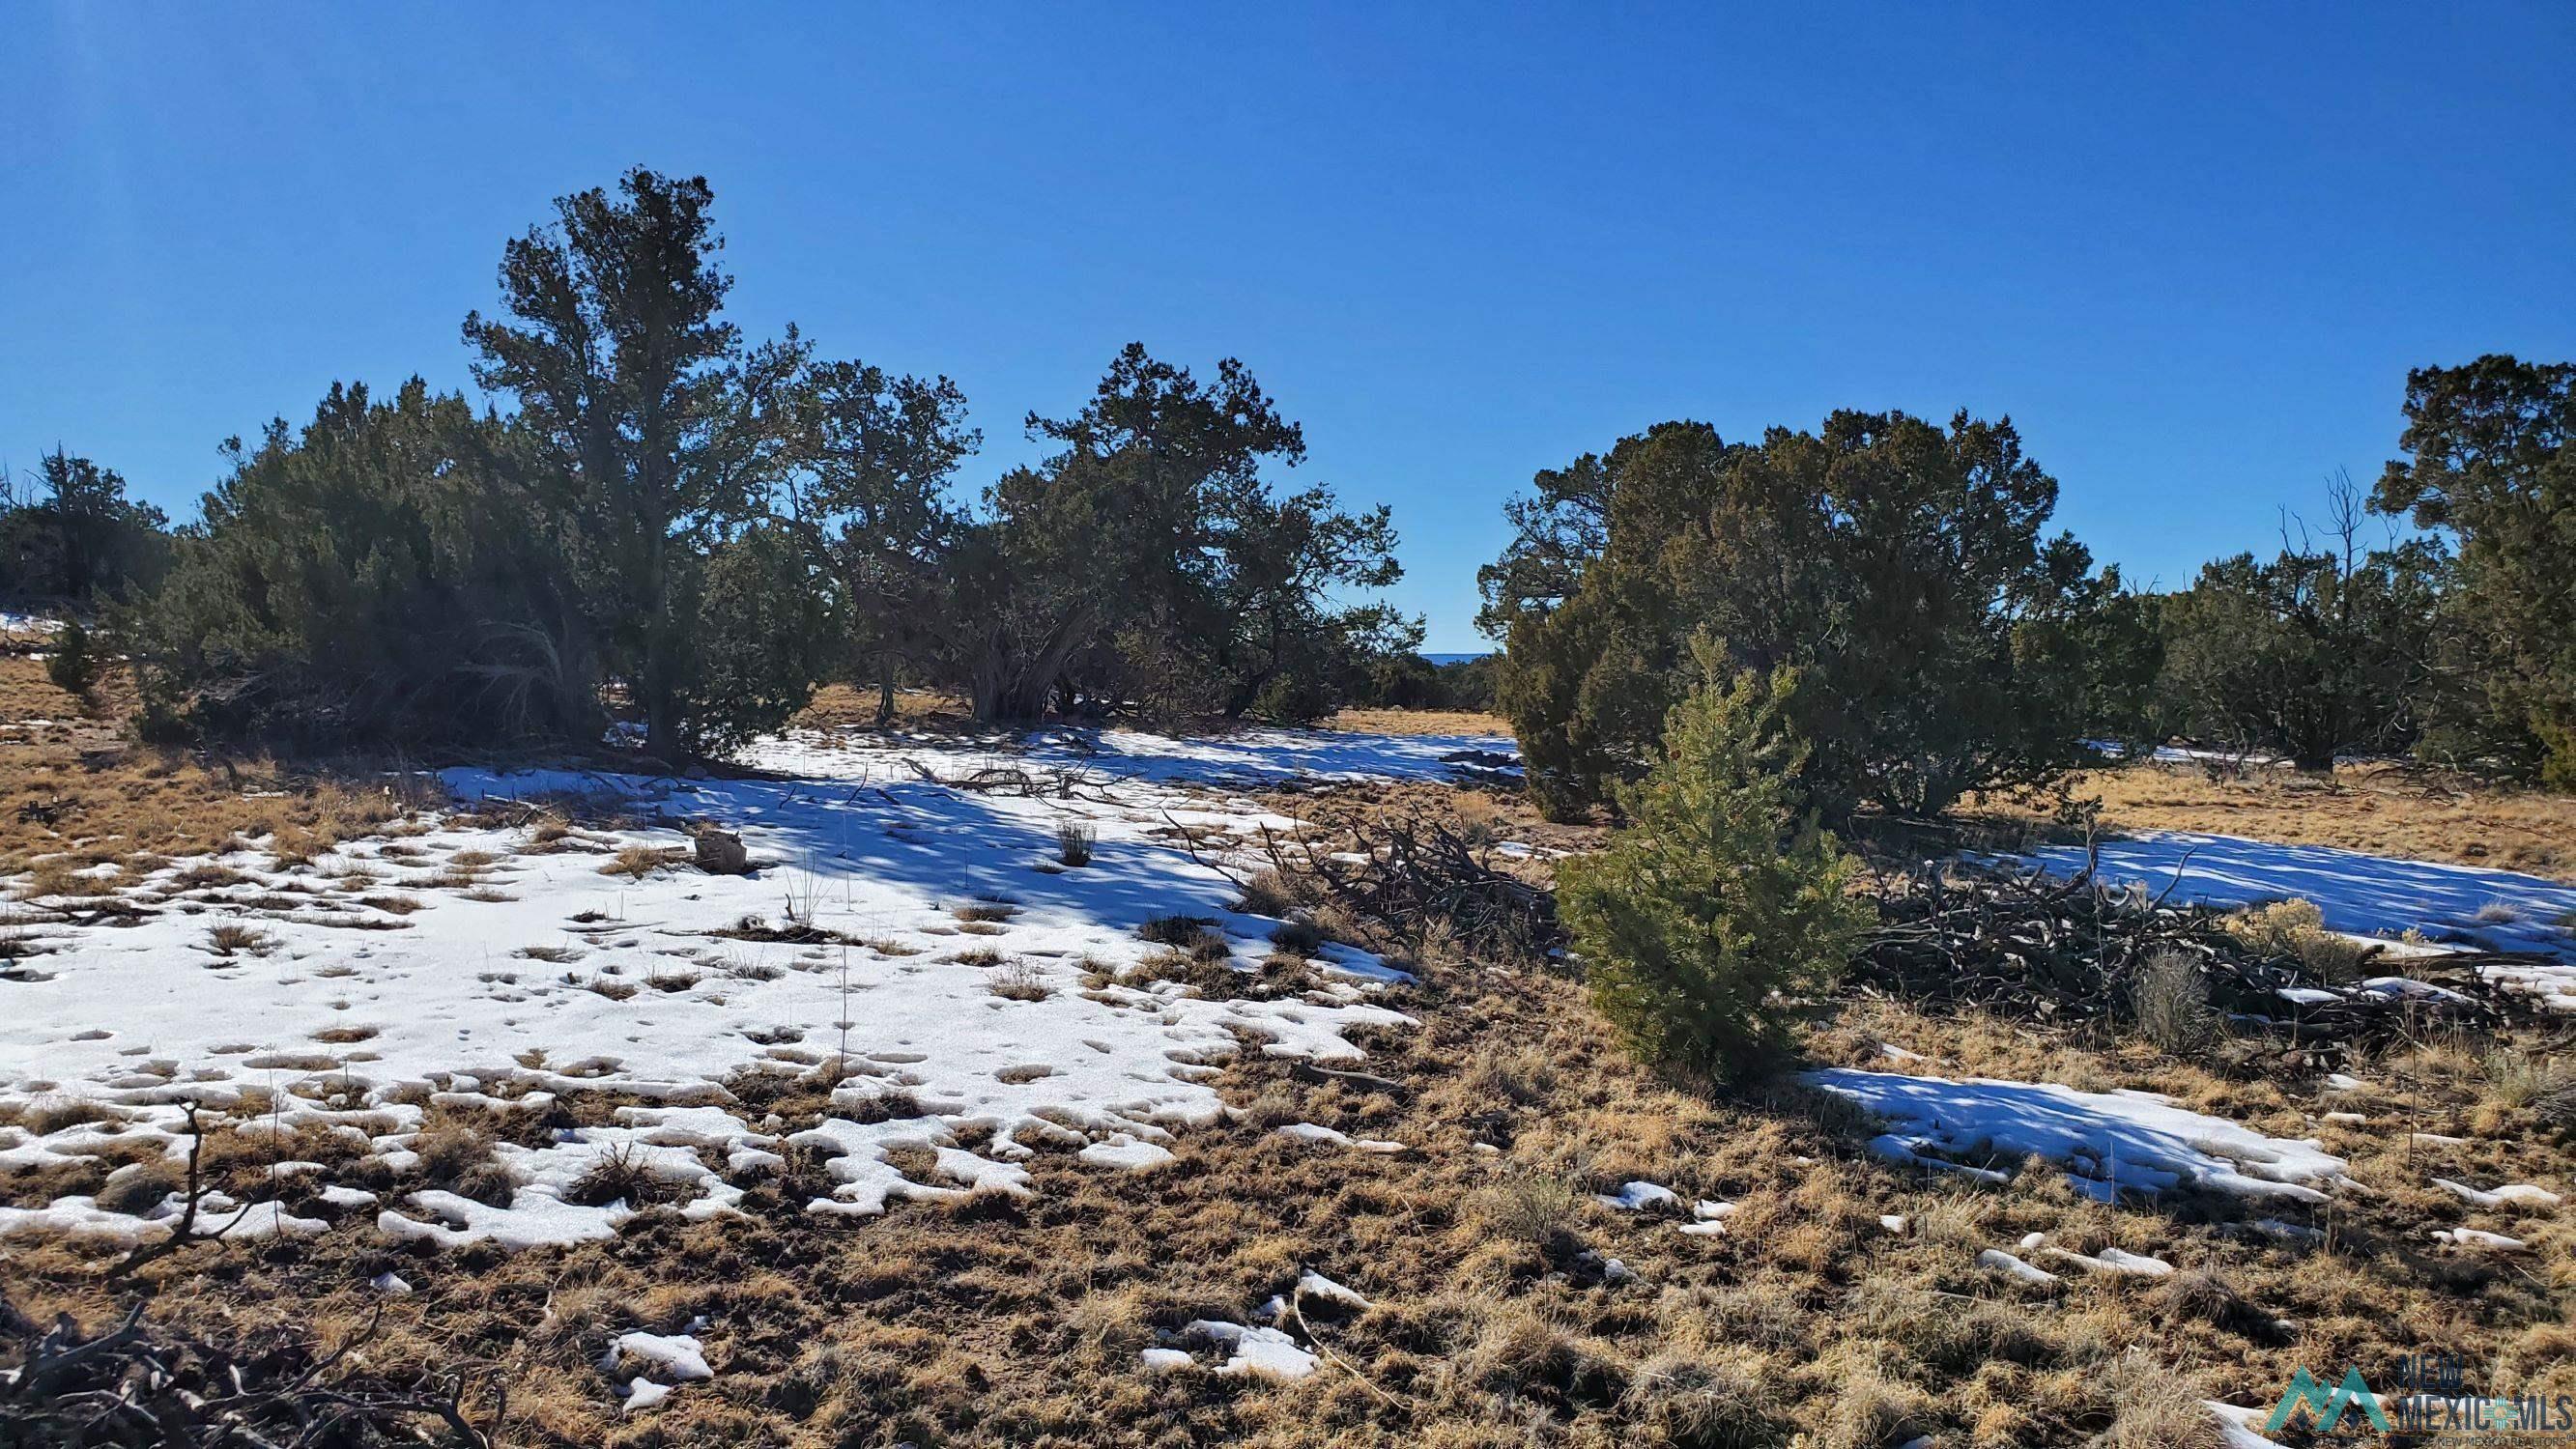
point(1938, 640)
point(666, 523)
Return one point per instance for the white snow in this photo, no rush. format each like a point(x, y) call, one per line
point(2106, 1140)
point(2512, 1192)
point(2480, 1239)
point(1316, 1285)
point(1332, 1137)
point(351, 1013)
point(2236, 1425)
point(676, 1356)
point(1634, 1195)
point(2002, 1262)
point(1123, 1149)
point(643, 1393)
point(2115, 1262)
point(1259, 1351)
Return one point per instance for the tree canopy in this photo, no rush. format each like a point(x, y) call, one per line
point(1947, 643)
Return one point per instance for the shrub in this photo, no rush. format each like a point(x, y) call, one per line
point(2172, 1004)
point(2295, 929)
point(1721, 899)
point(1019, 981)
point(72, 667)
point(1073, 842)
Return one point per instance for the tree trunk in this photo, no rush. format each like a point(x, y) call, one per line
point(885, 690)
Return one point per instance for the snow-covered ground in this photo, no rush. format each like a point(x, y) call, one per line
point(964, 976)
point(2364, 895)
point(2107, 1141)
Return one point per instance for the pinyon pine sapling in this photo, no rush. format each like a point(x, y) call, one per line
point(1720, 899)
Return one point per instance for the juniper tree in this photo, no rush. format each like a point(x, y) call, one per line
point(1149, 561)
point(379, 575)
point(2488, 462)
point(2321, 650)
point(1949, 644)
point(875, 457)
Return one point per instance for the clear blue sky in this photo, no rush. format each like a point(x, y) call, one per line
point(2191, 251)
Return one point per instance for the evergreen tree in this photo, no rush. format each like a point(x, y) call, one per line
point(659, 429)
point(1148, 562)
point(79, 541)
point(1720, 901)
point(2321, 651)
point(71, 665)
point(379, 576)
point(876, 457)
point(2488, 463)
point(1948, 645)
point(764, 624)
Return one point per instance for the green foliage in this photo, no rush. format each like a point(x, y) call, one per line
point(764, 621)
point(875, 458)
point(1295, 699)
point(80, 541)
point(1948, 646)
point(1720, 901)
point(641, 410)
point(2318, 652)
point(72, 666)
point(375, 578)
point(2488, 462)
point(1149, 562)
point(1406, 680)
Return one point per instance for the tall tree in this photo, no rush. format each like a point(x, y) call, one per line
point(876, 457)
point(1558, 529)
point(1946, 642)
point(1153, 565)
point(663, 431)
point(2488, 462)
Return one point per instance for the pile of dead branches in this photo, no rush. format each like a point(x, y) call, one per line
point(2026, 943)
point(142, 1384)
point(1050, 782)
point(1412, 881)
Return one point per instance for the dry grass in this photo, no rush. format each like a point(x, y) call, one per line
point(638, 861)
point(839, 706)
point(1002, 1320)
point(75, 790)
point(998, 1320)
point(1420, 722)
point(2382, 809)
point(1018, 981)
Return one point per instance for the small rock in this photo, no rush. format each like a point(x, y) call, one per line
point(720, 852)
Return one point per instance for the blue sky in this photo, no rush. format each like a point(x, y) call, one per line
point(2191, 251)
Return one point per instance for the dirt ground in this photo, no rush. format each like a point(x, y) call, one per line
point(1842, 1303)
point(1480, 1250)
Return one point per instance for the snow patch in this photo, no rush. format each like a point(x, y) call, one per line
point(2107, 1141)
